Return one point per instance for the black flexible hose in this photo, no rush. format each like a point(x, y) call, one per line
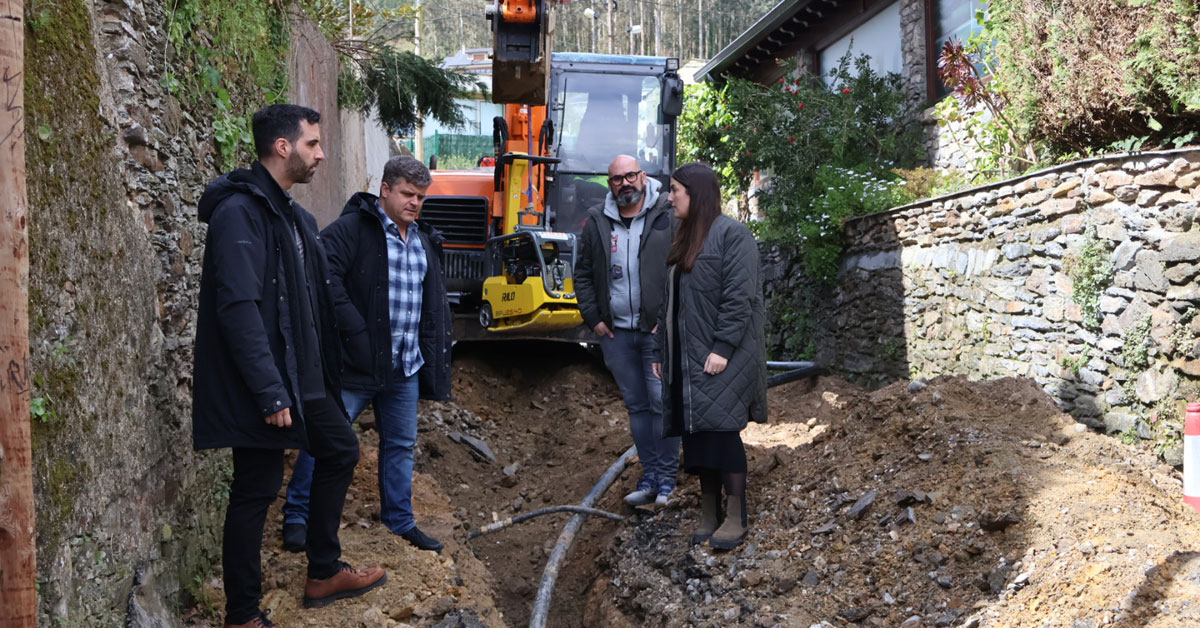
point(541, 606)
point(499, 525)
point(793, 375)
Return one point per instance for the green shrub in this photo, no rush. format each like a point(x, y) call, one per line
point(827, 150)
point(1086, 74)
point(843, 193)
point(922, 182)
point(1091, 272)
point(1135, 352)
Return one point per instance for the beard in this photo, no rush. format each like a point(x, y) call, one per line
point(628, 195)
point(299, 171)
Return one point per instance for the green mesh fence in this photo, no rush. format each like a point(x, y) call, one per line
point(454, 147)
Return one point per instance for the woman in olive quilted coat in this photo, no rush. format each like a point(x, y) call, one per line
point(712, 350)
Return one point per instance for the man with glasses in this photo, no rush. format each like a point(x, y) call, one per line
point(620, 278)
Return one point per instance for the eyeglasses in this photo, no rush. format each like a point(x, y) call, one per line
point(628, 177)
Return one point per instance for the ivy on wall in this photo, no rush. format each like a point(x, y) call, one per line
point(229, 55)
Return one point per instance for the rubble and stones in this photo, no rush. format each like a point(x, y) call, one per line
point(999, 533)
point(978, 283)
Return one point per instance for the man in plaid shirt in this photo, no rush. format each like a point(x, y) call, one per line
point(386, 277)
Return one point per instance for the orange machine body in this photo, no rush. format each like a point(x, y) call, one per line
point(518, 11)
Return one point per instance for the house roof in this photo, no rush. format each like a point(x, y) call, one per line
point(788, 28)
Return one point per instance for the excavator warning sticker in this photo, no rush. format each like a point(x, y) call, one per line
point(554, 235)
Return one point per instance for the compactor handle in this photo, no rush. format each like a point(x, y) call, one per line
point(508, 158)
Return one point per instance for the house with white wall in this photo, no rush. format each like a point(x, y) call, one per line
point(901, 36)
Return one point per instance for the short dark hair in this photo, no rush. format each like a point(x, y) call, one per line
point(275, 121)
point(408, 168)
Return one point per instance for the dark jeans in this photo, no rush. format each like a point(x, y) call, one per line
point(396, 420)
point(257, 478)
point(629, 354)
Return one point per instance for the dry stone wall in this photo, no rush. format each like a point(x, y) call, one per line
point(128, 516)
point(113, 178)
point(983, 283)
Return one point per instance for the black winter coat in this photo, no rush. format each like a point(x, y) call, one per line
point(247, 340)
point(357, 249)
point(592, 266)
point(720, 311)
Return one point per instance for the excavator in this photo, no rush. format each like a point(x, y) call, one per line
point(511, 224)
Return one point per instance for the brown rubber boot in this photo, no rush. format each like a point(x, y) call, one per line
point(733, 531)
point(710, 517)
point(347, 582)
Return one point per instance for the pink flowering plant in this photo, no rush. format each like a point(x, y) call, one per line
point(823, 148)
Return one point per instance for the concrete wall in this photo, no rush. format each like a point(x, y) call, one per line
point(367, 148)
point(979, 283)
point(313, 68)
point(356, 146)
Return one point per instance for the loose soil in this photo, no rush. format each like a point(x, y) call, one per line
point(947, 503)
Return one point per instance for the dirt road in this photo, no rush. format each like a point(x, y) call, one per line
point(954, 503)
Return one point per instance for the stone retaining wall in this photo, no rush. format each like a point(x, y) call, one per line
point(128, 516)
point(979, 283)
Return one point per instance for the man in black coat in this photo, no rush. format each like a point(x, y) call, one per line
point(385, 271)
point(268, 362)
point(620, 279)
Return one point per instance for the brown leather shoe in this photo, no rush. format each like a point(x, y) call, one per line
point(258, 622)
point(347, 582)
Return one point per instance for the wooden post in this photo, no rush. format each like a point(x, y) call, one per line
point(18, 564)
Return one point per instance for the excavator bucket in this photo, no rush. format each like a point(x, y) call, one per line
point(522, 32)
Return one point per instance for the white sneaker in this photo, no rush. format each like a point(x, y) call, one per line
point(662, 499)
point(640, 497)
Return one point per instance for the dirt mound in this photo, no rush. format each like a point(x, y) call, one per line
point(955, 503)
point(947, 503)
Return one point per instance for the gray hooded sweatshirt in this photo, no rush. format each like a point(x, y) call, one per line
point(625, 292)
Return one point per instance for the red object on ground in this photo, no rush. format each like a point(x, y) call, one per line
point(1191, 456)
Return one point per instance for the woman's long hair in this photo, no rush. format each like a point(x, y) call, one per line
point(704, 205)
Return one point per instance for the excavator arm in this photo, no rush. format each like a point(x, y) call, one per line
point(522, 33)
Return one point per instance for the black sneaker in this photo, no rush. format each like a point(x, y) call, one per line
point(420, 540)
point(295, 537)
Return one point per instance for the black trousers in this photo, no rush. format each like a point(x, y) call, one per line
point(257, 478)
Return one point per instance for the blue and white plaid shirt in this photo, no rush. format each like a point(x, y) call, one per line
point(406, 273)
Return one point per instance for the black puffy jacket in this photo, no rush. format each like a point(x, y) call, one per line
point(247, 340)
point(357, 249)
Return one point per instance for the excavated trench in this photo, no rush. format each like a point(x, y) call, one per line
point(553, 418)
point(531, 425)
point(951, 503)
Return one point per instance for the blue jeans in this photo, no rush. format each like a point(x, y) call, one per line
point(396, 421)
point(628, 355)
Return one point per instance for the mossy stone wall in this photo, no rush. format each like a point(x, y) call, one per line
point(128, 516)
